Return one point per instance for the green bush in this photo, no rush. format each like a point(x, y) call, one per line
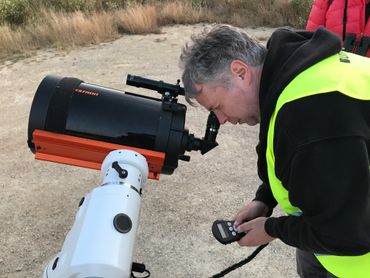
point(14, 11)
point(84, 5)
point(114, 4)
point(302, 10)
point(69, 5)
point(17, 12)
point(198, 3)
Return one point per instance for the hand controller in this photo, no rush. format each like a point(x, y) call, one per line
point(225, 231)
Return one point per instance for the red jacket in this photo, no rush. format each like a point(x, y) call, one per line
point(331, 16)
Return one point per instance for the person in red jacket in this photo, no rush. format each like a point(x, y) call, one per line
point(347, 18)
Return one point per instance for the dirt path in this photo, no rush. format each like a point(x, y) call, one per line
point(39, 199)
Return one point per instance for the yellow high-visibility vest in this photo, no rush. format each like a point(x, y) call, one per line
point(329, 75)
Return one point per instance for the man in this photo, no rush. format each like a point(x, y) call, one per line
point(313, 104)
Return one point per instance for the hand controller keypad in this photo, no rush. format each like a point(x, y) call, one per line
point(225, 231)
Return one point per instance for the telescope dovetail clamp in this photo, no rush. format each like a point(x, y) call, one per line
point(87, 153)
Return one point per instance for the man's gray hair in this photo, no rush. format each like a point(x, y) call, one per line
point(208, 56)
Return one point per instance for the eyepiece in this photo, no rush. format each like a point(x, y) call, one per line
point(212, 128)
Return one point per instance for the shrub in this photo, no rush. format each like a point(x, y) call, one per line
point(14, 11)
point(138, 20)
point(114, 4)
point(69, 5)
point(302, 9)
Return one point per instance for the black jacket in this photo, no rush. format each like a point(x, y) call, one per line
point(322, 146)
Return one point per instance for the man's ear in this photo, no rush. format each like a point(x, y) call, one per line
point(239, 69)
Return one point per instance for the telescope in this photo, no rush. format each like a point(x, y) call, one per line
point(76, 123)
point(130, 138)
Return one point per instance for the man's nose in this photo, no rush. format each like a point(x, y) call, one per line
point(222, 118)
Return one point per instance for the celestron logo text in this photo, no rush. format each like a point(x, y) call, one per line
point(86, 92)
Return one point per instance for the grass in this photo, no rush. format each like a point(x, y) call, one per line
point(138, 20)
point(45, 23)
point(71, 29)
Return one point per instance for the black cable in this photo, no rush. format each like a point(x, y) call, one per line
point(241, 263)
point(218, 275)
point(139, 267)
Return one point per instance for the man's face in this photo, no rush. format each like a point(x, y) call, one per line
point(237, 105)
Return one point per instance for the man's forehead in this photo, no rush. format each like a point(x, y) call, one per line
point(206, 98)
point(205, 87)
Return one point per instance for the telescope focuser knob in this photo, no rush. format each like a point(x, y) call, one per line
point(122, 173)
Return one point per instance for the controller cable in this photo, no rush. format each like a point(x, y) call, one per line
point(138, 267)
point(241, 263)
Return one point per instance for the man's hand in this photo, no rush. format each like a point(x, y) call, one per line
point(251, 220)
point(255, 232)
point(250, 211)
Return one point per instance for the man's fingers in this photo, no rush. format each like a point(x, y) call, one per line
point(245, 227)
point(240, 217)
point(255, 232)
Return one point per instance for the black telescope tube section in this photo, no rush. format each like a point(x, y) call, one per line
point(70, 106)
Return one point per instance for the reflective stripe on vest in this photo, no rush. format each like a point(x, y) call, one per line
point(332, 74)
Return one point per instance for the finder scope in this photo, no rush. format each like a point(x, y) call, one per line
point(68, 112)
